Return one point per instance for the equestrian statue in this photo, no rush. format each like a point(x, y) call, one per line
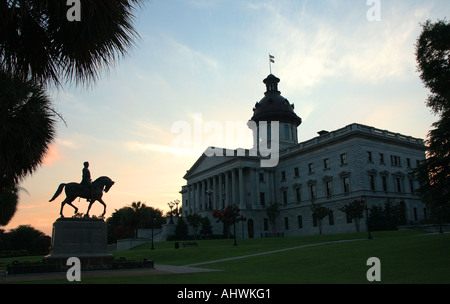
point(91, 191)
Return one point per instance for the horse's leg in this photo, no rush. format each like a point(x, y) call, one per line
point(62, 206)
point(89, 208)
point(68, 201)
point(104, 206)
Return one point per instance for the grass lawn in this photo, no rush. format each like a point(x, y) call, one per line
point(406, 257)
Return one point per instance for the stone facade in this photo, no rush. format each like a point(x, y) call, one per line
point(353, 163)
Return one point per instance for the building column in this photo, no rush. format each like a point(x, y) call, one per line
point(196, 197)
point(189, 201)
point(256, 201)
point(220, 203)
point(214, 194)
point(227, 190)
point(241, 188)
point(203, 196)
point(233, 188)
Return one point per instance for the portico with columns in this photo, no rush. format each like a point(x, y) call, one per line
point(226, 181)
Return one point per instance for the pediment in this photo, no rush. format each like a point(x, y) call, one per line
point(207, 162)
point(216, 159)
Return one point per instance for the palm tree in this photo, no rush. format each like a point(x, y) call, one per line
point(39, 42)
point(8, 205)
point(27, 127)
point(39, 47)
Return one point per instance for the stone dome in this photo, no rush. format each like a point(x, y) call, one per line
point(273, 106)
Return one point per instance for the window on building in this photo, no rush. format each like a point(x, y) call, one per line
point(415, 214)
point(331, 218)
point(369, 157)
point(349, 219)
point(285, 201)
point(300, 221)
point(286, 132)
point(346, 182)
point(398, 184)
point(266, 224)
point(384, 183)
point(261, 177)
point(262, 198)
point(311, 168)
point(343, 159)
point(286, 223)
point(408, 162)
point(326, 164)
point(382, 158)
point(329, 188)
point(296, 172)
point(312, 191)
point(372, 182)
point(298, 194)
point(395, 161)
point(283, 175)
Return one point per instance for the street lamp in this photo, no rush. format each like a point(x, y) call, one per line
point(171, 204)
point(177, 202)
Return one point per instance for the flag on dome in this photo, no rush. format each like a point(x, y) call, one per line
point(272, 58)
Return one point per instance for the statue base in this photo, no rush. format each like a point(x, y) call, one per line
point(83, 238)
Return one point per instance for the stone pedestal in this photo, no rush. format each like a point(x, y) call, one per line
point(83, 238)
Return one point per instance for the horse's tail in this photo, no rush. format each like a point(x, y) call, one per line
point(58, 192)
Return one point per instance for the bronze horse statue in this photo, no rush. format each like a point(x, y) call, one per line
point(74, 190)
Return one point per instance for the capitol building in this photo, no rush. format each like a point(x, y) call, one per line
point(356, 162)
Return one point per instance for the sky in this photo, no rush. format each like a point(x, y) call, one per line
point(201, 63)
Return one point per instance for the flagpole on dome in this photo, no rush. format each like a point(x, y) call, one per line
point(271, 60)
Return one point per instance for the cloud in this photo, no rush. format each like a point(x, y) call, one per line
point(150, 147)
point(321, 45)
point(67, 143)
point(189, 56)
point(52, 156)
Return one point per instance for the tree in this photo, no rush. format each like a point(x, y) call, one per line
point(354, 211)
point(124, 222)
point(194, 220)
point(273, 212)
point(39, 47)
point(433, 57)
point(386, 217)
point(27, 127)
point(8, 205)
point(319, 212)
point(206, 226)
point(25, 237)
point(229, 216)
point(38, 41)
point(181, 229)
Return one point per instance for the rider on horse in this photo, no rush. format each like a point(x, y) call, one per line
point(86, 179)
